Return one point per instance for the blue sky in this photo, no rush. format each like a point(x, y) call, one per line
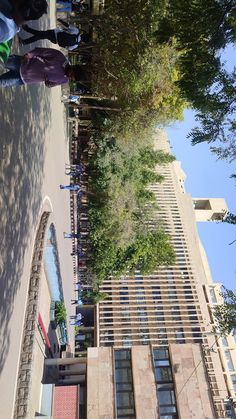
point(209, 177)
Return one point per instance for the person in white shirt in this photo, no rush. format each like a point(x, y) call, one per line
point(70, 37)
point(8, 28)
point(70, 99)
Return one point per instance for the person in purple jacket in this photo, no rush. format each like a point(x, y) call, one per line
point(41, 65)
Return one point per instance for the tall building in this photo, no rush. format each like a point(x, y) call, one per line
point(130, 383)
point(146, 383)
point(171, 305)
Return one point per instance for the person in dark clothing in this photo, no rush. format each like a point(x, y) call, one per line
point(70, 37)
point(42, 65)
point(14, 12)
point(31, 9)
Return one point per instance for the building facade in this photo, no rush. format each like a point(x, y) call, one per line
point(144, 382)
point(171, 305)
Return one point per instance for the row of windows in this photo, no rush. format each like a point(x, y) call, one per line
point(124, 385)
point(164, 382)
point(165, 385)
point(141, 315)
point(170, 294)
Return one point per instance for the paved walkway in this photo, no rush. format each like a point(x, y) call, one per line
point(33, 150)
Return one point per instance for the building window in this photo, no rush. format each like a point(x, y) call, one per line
point(161, 354)
point(175, 311)
point(156, 293)
point(140, 295)
point(192, 313)
point(124, 385)
point(124, 297)
point(213, 296)
point(179, 335)
point(162, 336)
point(224, 342)
point(127, 338)
point(142, 316)
point(233, 378)
point(165, 385)
point(172, 293)
point(163, 374)
point(125, 313)
point(144, 335)
point(229, 361)
point(160, 315)
point(197, 336)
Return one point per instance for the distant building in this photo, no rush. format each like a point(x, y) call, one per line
point(226, 346)
point(171, 305)
point(156, 354)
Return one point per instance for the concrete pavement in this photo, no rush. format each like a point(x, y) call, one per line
point(33, 151)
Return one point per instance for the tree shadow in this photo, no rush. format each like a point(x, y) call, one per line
point(25, 115)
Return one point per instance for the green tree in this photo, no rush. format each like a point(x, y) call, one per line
point(146, 253)
point(225, 314)
point(60, 312)
point(199, 39)
point(217, 119)
point(230, 218)
point(132, 66)
point(203, 80)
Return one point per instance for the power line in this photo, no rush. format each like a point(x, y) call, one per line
point(200, 362)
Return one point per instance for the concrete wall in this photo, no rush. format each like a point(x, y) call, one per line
point(100, 388)
point(144, 383)
point(192, 388)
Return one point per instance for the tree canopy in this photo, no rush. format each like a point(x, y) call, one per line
point(225, 314)
point(60, 312)
point(230, 218)
point(121, 202)
point(151, 60)
point(159, 57)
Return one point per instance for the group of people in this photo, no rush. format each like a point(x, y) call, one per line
point(72, 6)
point(76, 319)
point(13, 13)
point(41, 65)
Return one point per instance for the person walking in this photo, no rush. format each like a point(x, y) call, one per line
point(77, 302)
point(78, 168)
point(73, 174)
point(70, 99)
point(78, 253)
point(70, 187)
point(13, 13)
point(80, 194)
point(77, 316)
point(69, 37)
point(76, 323)
point(71, 235)
point(41, 65)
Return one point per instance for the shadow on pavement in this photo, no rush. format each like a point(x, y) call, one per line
point(24, 117)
